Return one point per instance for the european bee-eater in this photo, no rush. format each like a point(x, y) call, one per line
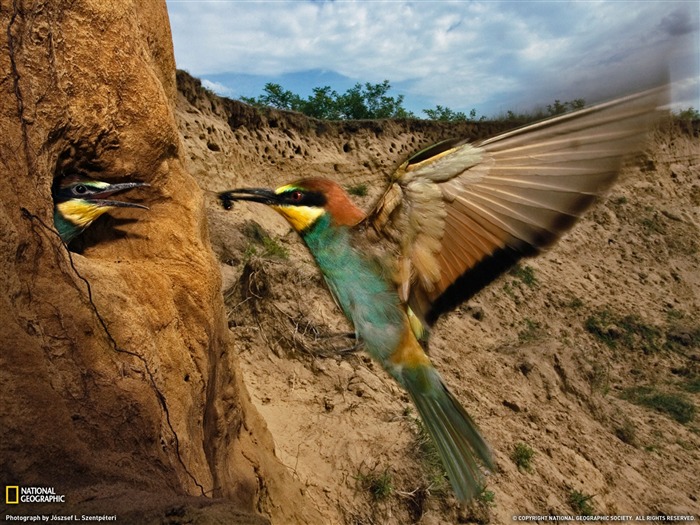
point(79, 201)
point(454, 217)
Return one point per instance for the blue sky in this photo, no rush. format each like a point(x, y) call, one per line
point(492, 56)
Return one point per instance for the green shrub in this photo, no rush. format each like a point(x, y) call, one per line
point(629, 331)
point(687, 114)
point(487, 497)
point(271, 248)
point(379, 486)
point(526, 274)
point(581, 503)
point(359, 190)
point(692, 385)
point(674, 405)
point(522, 457)
point(531, 332)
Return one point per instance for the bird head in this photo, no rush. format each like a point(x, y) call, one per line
point(79, 201)
point(302, 202)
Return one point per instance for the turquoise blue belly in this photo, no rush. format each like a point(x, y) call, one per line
point(366, 297)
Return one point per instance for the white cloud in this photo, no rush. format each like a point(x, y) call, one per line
point(218, 88)
point(458, 54)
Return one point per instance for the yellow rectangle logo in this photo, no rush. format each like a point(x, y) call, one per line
point(11, 494)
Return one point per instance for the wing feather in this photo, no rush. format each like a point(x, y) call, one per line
point(461, 214)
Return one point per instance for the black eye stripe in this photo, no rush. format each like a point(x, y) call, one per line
point(303, 198)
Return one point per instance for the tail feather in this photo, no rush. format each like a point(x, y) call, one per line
point(455, 434)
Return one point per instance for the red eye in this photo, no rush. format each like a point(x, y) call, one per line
point(296, 196)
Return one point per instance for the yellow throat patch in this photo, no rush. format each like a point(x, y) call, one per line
point(300, 217)
point(81, 212)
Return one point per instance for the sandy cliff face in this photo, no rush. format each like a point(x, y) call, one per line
point(579, 355)
point(119, 384)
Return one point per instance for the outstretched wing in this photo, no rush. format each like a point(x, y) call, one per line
point(461, 214)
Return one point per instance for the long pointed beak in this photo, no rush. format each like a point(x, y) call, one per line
point(117, 204)
point(261, 195)
point(114, 188)
point(98, 198)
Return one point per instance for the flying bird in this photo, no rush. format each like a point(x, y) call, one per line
point(79, 201)
point(454, 217)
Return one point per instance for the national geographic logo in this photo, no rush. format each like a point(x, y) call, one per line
point(14, 494)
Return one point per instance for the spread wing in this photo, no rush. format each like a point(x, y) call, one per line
point(460, 214)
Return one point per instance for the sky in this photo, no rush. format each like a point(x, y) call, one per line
point(491, 56)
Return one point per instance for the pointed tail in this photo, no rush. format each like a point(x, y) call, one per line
point(455, 434)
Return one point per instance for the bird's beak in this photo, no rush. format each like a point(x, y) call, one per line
point(248, 194)
point(99, 198)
